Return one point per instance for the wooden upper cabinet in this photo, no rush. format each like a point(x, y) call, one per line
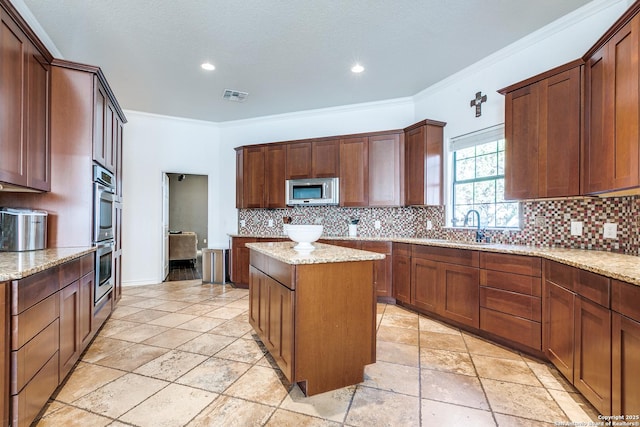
point(253, 182)
point(275, 157)
point(24, 118)
point(325, 158)
point(354, 171)
point(240, 178)
point(299, 160)
point(542, 132)
point(386, 157)
point(313, 159)
point(423, 163)
point(612, 137)
point(101, 100)
point(521, 147)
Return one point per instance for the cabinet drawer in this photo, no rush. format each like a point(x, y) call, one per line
point(450, 255)
point(69, 272)
point(518, 264)
point(511, 282)
point(624, 299)
point(87, 264)
point(280, 271)
point(402, 249)
point(593, 287)
point(377, 246)
point(29, 323)
point(28, 403)
point(28, 360)
point(511, 303)
point(33, 289)
point(513, 328)
point(560, 274)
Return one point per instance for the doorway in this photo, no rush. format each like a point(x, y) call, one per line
point(185, 225)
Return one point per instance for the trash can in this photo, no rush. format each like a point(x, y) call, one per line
point(214, 265)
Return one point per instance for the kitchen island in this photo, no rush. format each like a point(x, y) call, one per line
point(314, 312)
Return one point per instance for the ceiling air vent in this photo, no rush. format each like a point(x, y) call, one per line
point(235, 95)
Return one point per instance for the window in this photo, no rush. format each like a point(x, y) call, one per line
point(478, 180)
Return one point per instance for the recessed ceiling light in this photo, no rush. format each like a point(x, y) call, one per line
point(357, 68)
point(208, 66)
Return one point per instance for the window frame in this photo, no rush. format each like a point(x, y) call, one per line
point(474, 139)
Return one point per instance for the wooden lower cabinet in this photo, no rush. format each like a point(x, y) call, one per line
point(239, 270)
point(280, 325)
point(401, 272)
point(577, 330)
point(558, 323)
point(5, 326)
point(625, 367)
point(70, 343)
point(51, 317)
point(382, 269)
point(591, 373)
point(424, 284)
point(447, 289)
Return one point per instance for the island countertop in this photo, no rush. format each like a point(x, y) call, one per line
point(283, 251)
point(16, 265)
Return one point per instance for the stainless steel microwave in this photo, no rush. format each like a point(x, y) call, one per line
point(313, 191)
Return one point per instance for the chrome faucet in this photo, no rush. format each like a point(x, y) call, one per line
point(479, 233)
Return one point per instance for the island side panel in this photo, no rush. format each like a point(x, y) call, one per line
point(334, 324)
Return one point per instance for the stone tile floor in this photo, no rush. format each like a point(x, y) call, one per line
point(183, 353)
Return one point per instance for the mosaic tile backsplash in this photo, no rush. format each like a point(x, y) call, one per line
point(543, 223)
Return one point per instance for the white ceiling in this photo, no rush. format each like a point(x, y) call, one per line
point(290, 55)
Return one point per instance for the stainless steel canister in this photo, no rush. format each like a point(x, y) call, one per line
point(22, 229)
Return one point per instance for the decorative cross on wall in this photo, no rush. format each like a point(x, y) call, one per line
point(477, 102)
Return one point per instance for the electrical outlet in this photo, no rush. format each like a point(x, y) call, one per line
point(376, 224)
point(429, 225)
point(243, 223)
point(610, 230)
point(576, 228)
point(540, 221)
point(204, 241)
point(270, 223)
point(318, 220)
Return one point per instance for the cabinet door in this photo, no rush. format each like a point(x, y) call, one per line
point(415, 166)
point(625, 367)
point(385, 154)
point(325, 158)
point(423, 165)
point(280, 326)
point(258, 302)
point(354, 172)
point(253, 192)
point(86, 309)
point(5, 344)
point(299, 160)
point(559, 142)
point(110, 137)
point(240, 179)
point(37, 104)
point(274, 175)
point(424, 284)
point(557, 327)
point(521, 143)
point(13, 144)
point(240, 261)
point(101, 100)
point(381, 268)
point(458, 293)
point(402, 278)
point(611, 154)
point(591, 371)
point(69, 327)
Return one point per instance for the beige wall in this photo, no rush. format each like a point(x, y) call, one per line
point(188, 205)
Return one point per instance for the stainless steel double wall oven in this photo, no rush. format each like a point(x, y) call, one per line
point(103, 230)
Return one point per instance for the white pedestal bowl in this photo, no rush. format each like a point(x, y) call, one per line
point(304, 235)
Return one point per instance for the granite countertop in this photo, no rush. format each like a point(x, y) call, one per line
point(617, 266)
point(16, 265)
point(283, 251)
